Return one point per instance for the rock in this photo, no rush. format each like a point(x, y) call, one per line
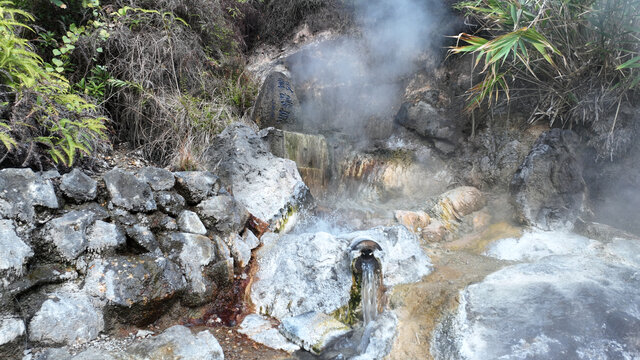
point(277, 104)
point(12, 332)
point(162, 222)
point(548, 189)
point(310, 152)
point(189, 222)
point(259, 329)
point(223, 213)
point(459, 202)
point(240, 251)
point(158, 179)
point(103, 236)
point(128, 192)
point(301, 273)
point(21, 190)
point(66, 319)
point(196, 186)
point(15, 252)
point(142, 237)
point(413, 220)
point(178, 342)
point(312, 330)
point(170, 202)
point(67, 233)
point(427, 121)
point(250, 239)
point(269, 187)
point(137, 289)
point(78, 186)
point(559, 307)
point(195, 254)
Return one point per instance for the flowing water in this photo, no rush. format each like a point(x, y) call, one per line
point(369, 291)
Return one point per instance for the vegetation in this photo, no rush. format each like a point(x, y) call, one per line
point(569, 61)
point(168, 74)
point(40, 112)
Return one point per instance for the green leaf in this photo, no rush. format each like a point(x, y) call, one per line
point(57, 62)
point(56, 52)
point(632, 63)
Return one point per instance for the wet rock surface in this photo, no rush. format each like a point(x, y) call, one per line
point(576, 299)
point(312, 330)
point(262, 330)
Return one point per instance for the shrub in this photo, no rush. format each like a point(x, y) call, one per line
point(44, 116)
point(575, 61)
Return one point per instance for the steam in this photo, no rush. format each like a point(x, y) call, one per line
point(354, 84)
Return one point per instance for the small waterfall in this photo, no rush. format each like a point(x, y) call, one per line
point(369, 291)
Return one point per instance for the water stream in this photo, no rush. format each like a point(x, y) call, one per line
point(369, 291)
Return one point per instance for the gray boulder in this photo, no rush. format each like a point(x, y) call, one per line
point(195, 186)
point(277, 104)
point(21, 190)
point(223, 213)
point(196, 255)
point(103, 236)
point(548, 190)
point(78, 186)
point(170, 202)
point(12, 330)
point(67, 235)
point(158, 179)
point(189, 222)
point(128, 192)
point(15, 252)
point(269, 187)
point(178, 342)
point(66, 318)
point(137, 289)
point(250, 239)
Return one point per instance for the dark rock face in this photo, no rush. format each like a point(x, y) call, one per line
point(223, 213)
point(158, 179)
point(196, 186)
point(427, 121)
point(277, 104)
point(129, 192)
point(170, 202)
point(137, 288)
point(12, 331)
point(78, 186)
point(21, 190)
point(548, 189)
